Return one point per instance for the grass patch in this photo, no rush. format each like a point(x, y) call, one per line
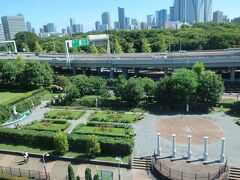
point(225, 105)
point(104, 131)
point(118, 117)
point(49, 126)
point(63, 114)
point(9, 177)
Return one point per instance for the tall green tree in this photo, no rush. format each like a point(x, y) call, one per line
point(93, 146)
point(117, 47)
point(88, 174)
point(9, 73)
point(38, 47)
point(93, 49)
point(120, 86)
point(131, 48)
point(146, 48)
point(25, 40)
point(60, 143)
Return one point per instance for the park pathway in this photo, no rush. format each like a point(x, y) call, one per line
point(81, 120)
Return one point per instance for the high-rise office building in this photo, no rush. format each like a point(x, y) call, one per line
point(171, 13)
point(236, 20)
point(150, 21)
point(134, 22)
point(218, 16)
point(106, 19)
point(97, 26)
point(127, 23)
point(72, 22)
point(226, 19)
point(69, 31)
point(80, 28)
point(161, 18)
point(41, 30)
point(29, 26)
point(143, 25)
point(51, 28)
point(12, 25)
point(116, 25)
point(45, 29)
point(2, 37)
point(121, 18)
point(208, 10)
point(33, 30)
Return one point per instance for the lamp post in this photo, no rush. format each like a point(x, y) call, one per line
point(119, 161)
point(44, 163)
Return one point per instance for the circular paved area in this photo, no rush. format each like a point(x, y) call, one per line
point(183, 126)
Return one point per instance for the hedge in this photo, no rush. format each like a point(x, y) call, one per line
point(109, 146)
point(9, 177)
point(26, 104)
point(110, 124)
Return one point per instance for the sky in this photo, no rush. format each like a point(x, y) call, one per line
point(86, 12)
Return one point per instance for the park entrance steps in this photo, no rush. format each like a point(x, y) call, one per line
point(234, 173)
point(143, 163)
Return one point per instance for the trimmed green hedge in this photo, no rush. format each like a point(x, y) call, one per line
point(26, 104)
point(110, 124)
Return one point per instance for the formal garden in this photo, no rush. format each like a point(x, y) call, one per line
point(114, 107)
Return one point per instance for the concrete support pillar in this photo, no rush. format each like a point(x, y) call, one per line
point(205, 154)
point(232, 76)
point(158, 145)
point(136, 71)
point(174, 146)
point(165, 72)
point(125, 72)
point(222, 155)
point(83, 71)
point(98, 71)
point(74, 71)
point(111, 73)
point(189, 153)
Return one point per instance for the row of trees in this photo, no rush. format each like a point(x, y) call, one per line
point(198, 87)
point(25, 75)
point(88, 174)
point(197, 37)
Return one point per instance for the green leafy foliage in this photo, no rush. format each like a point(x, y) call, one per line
point(71, 175)
point(146, 48)
point(93, 146)
point(60, 143)
point(96, 177)
point(88, 174)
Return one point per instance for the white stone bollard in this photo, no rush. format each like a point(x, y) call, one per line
point(189, 153)
point(158, 145)
point(174, 146)
point(205, 154)
point(222, 155)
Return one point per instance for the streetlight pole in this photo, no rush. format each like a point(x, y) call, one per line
point(44, 164)
point(119, 161)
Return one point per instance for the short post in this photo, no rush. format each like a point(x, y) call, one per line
point(189, 153)
point(174, 146)
point(158, 145)
point(20, 174)
point(205, 154)
point(222, 155)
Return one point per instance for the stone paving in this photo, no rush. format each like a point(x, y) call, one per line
point(146, 139)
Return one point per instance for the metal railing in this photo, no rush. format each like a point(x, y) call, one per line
point(180, 175)
point(38, 175)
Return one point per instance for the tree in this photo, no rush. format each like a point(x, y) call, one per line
point(82, 84)
point(93, 146)
point(98, 85)
point(131, 48)
point(5, 113)
point(183, 85)
point(93, 49)
point(146, 46)
point(210, 88)
point(36, 74)
point(133, 92)
point(96, 177)
point(9, 73)
point(62, 81)
point(198, 68)
point(88, 174)
point(117, 47)
point(26, 40)
point(77, 178)
point(160, 44)
point(60, 143)
point(71, 175)
point(149, 87)
point(37, 47)
point(120, 86)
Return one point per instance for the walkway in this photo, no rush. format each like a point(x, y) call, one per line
point(81, 120)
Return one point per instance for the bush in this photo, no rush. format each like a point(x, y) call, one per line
point(5, 113)
point(25, 105)
point(60, 143)
point(71, 175)
point(93, 146)
point(88, 174)
point(96, 177)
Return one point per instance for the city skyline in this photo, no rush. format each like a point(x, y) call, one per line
point(88, 16)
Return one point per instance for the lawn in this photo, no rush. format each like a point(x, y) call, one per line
point(49, 126)
point(104, 131)
point(225, 105)
point(63, 114)
point(110, 116)
point(6, 96)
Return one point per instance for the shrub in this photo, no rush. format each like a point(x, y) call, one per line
point(93, 146)
point(60, 143)
point(88, 174)
point(96, 177)
point(71, 175)
point(5, 113)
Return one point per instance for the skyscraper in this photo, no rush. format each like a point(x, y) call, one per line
point(116, 25)
point(29, 26)
point(106, 19)
point(72, 22)
point(207, 10)
point(218, 16)
point(2, 37)
point(121, 18)
point(161, 18)
point(97, 26)
point(150, 21)
point(127, 23)
point(51, 28)
point(12, 25)
point(45, 29)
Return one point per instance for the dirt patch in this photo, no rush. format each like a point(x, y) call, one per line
point(183, 126)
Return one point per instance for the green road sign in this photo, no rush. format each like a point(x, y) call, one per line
point(81, 42)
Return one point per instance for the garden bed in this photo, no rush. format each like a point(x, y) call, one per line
point(110, 116)
point(48, 125)
point(63, 114)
